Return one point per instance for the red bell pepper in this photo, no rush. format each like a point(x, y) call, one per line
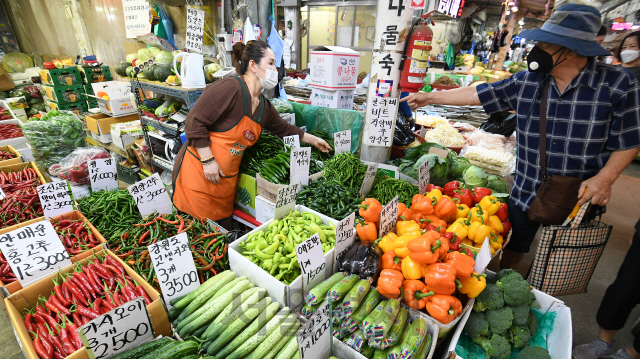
point(465, 196)
point(451, 187)
point(454, 240)
point(503, 212)
point(466, 251)
point(480, 192)
point(506, 225)
point(431, 187)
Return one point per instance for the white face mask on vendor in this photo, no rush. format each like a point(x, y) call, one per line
point(629, 55)
point(270, 79)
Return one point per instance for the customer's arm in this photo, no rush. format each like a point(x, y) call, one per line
point(599, 186)
point(464, 96)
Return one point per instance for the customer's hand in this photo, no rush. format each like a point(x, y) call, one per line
point(599, 190)
point(212, 172)
point(418, 99)
point(322, 145)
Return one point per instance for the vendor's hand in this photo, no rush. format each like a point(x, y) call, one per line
point(418, 99)
point(321, 144)
point(599, 190)
point(212, 172)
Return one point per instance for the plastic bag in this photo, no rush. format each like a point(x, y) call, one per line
point(281, 105)
point(75, 167)
point(502, 123)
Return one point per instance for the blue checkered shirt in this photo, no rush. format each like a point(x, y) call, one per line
point(598, 113)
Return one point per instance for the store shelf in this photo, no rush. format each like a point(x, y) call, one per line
point(109, 146)
point(162, 164)
point(164, 127)
point(190, 96)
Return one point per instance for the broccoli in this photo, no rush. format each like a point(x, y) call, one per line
point(520, 314)
point(518, 336)
point(491, 297)
point(508, 272)
point(497, 347)
point(516, 290)
point(534, 353)
point(499, 320)
point(532, 323)
point(532, 301)
point(477, 326)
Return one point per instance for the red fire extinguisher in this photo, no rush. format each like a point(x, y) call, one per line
point(417, 49)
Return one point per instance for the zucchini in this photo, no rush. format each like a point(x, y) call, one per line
point(180, 350)
point(382, 324)
point(395, 352)
point(367, 351)
point(192, 356)
point(355, 319)
point(237, 301)
point(395, 332)
point(355, 297)
point(355, 340)
point(341, 288)
point(183, 302)
point(296, 355)
point(204, 297)
point(135, 353)
point(177, 299)
point(318, 293)
point(367, 323)
point(289, 349)
point(249, 331)
point(211, 309)
point(380, 354)
point(247, 347)
point(270, 345)
point(308, 310)
point(413, 338)
point(425, 347)
point(231, 325)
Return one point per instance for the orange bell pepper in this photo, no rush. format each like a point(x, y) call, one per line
point(462, 262)
point(427, 248)
point(445, 208)
point(443, 308)
point(441, 278)
point(404, 213)
point(415, 294)
point(391, 261)
point(422, 204)
point(370, 210)
point(389, 283)
point(368, 232)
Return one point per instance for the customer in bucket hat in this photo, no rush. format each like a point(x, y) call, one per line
point(593, 116)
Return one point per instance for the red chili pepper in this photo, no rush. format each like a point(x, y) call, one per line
point(73, 333)
point(181, 227)
point(93, 278)
point(108, 305)
point(84, 283)
point(115, 270)
point(104, 273)
point(57, 345)
point(86, 294)
point(66, 341)
point(144, 235)
point(76, 319)
point(28, 323)
point(116, 298)
point(114, 262)
point(45, 351)
point(76, 294)
point(143, 294)
point(86, 312)
point(47, 318)
point(55, 305)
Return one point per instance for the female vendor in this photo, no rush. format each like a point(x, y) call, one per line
point(226, 120)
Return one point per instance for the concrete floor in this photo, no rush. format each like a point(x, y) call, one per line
point(622, 213)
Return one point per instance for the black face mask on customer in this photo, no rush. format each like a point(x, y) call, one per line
point(541, 61)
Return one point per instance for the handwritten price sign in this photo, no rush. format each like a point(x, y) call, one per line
point(368, 179)
point(381, 119)
point(342, 141)
point(389, 217)
point(151, 196)
point(103, 174)
point(314, 338)
point(311, 260)
point(292, 141)
point(300, 164)
point(55, 198)
point(423, 176)
point(286, 200)
point(345, 237)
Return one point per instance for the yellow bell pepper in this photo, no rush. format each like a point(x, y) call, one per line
point(490, 204)
point(400, 244)
point(435, 194)
point(479, 215)
point(387, 243)
point(478, 232)
point(460, 227)
point(496, 241)
point(412, 269)
point(463, 211)
point(496, 224)
point(467, 241)
point(479, 245)
point(403, 227)
point(473, 285)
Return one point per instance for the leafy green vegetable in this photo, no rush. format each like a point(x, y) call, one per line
point(414, 153)
point(474, 176)
point(438, 168)
point(282, 106)
point(497, 184)
point(54, 137)
point(457, 166)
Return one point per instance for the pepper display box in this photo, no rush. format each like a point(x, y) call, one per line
point(269, 190)
point(334, 68)
point(246, 194)
point(287, 295)
point(119, 103)
point(16, 160)
point(339, 99)
point(100, 125)
point(559, 341)
point(27, 298)
point(125, 133)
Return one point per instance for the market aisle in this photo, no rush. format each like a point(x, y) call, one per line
point(9, 348)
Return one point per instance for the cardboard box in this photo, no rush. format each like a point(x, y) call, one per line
point(119, 103)
point(340, 99)
point(64, 94)
point(287, 295)
point(20, 166)
point(13, 161)
point(100, 125)
point(61, 77)
point(334, 68)
point(95, 74)
point(265, 209)
point(10, 288)
point(246, 192)
point(88, 89)
point(76, 107)
point(6, 83)
point(27, 298)
point(269, 190)
point(125, 133)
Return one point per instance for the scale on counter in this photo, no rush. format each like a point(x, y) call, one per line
point(224, 73)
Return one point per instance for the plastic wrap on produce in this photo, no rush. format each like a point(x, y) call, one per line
point(54, 137)
point(492, 161)
point(75, 167)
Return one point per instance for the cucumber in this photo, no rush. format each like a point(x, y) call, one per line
point(425, 347)
point(237, 301)
point(272, 340)
point(204, 297)
point(377, 343)
point(289, 349)
point(153, 354)
point(337, 331)
point(135, 353)
point(248, 310)
point(285, 339)
point(397, 328)
point(180, 350)
point(367, 323)
point(413, 338)
point(380, 354)
point(355, 297)
point(370, 301)
point(382, 324)
point(183, 302)
point(295, 355)
point(192, 356)
point(211, 309)
point(177, 299)
point(226, 332)
point(199, 332)
point(319, 292)
point(249, 331)
point(341, 288)
point(367, 351)
point(247, 347)
point(395, 352)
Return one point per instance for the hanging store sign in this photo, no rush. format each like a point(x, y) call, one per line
point(136, 18)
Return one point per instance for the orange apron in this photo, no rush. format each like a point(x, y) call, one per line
point(199, 197)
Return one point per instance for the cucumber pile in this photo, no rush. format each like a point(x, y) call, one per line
point(376, 328)
point(233, 319)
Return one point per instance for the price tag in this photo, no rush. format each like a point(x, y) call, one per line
point(173, 262)
point(311, 260)
point(34, 251)
point(55, 198)
point(389, 217)
point(292, 141)
point(342, 141)
point(345, 237)
point(118, 330)
point(300, 164)
point(151, 196)
point(103, 174)
point(314, 338)
point(368, 179)
point(286, 200)
point(440, 152)
point(423, 176)
point(216, 227)
point(381, 118)
point(2, 195)
point(195, 29)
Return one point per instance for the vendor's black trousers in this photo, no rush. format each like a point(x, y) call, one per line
point(623, 294)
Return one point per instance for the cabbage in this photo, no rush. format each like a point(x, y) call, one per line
point(497, 184)
point(154, 51)
point(164, 57)
point(474, 176)
point(144, 55)
point(132, 57)
point(438, 168)
point(457, 166)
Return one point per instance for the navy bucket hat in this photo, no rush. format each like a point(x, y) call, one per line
point(573, 26)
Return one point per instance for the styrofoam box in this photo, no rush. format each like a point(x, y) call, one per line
point(5, 105)
point(559, 341)
point(287, 295)
point(265, 209)
point(17, 143)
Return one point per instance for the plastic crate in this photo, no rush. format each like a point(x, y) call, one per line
point(96, 74)
point(61, 77)
point(126, 174)
point(64, 94)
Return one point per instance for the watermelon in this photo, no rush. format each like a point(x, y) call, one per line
point(121, 68)
point(161, 72)
point(148, 73)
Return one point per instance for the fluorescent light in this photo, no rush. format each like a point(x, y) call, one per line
point(514, 9)
point(511, 3)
